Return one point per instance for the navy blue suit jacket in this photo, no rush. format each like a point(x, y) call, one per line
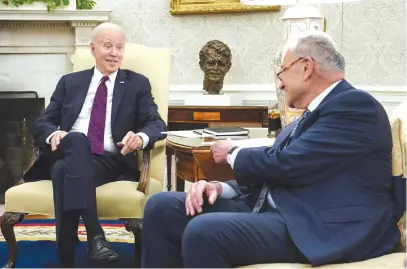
point(133, 109)
point(333, 182)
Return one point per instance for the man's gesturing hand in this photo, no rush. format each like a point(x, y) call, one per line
point(130, 143)
point(194, 200)
point(56, 139)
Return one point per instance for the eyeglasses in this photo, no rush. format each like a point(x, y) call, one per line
point(280, 73)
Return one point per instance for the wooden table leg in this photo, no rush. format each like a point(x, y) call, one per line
point(180, 184)
point(169, 152)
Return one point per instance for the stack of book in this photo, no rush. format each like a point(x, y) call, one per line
point(225, 132)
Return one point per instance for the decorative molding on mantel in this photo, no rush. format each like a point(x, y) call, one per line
point(86, 16)
point(83, 21)
point(260, 94)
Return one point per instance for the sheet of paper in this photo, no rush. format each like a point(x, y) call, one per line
point(186, 134)
point(248, 143)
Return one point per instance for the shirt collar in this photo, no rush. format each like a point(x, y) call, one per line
point(315, 103)
point(97, 76)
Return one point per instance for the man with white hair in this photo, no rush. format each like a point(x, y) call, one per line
point(89, 135)
point(321, 194)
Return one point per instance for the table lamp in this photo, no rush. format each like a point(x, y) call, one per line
point(303, 15)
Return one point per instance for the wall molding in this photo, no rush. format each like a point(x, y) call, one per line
point(260, 94)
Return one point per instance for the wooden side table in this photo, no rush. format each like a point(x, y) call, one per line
point(196, 117)
point(194, 160)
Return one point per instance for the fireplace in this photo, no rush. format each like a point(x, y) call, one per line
point(18, 110)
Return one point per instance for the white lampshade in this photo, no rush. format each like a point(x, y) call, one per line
point(301, 11)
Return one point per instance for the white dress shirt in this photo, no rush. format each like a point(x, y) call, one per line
point(82, 122)
point(228, 192)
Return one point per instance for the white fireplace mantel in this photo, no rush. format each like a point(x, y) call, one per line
point(36, 46)
point(82, 21)
point(95, 16)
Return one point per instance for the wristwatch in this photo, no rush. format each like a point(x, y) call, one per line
point(231, 150)
point(228, 156)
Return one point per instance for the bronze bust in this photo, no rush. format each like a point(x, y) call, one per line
point(215, 60)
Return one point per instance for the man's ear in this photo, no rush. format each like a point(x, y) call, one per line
point(92, 48)
point(308, 68)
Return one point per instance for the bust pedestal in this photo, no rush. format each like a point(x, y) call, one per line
point(213, 100)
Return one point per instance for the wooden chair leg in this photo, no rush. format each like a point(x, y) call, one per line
point(134, 226)
point(8, 220)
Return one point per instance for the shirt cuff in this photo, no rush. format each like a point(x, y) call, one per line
point(227, 191)
point(230, 158)
point(48, 140)
point(145, 139)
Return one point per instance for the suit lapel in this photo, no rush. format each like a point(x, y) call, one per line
point(118, 93)
point(82, 87)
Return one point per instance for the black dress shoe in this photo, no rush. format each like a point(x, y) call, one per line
point(101, 251)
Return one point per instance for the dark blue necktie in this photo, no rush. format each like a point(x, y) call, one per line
point(265, 188)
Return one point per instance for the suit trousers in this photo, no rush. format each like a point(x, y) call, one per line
point(226, 234)
point(73, 162)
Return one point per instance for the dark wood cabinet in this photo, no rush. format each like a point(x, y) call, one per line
point(195, 117)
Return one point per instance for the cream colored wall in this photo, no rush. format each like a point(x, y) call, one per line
point(370, 33)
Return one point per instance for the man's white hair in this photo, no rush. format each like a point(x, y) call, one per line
point(106, 26)
point(320, 47)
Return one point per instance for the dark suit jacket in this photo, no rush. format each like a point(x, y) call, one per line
point(333, 182)
point(133, 109)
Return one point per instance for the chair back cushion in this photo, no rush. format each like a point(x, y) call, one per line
point(398, 122)
point(155, 64)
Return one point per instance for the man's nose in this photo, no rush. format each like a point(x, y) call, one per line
point(113, 51)
point(280, 84)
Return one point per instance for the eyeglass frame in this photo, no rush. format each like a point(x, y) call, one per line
point(287, 67)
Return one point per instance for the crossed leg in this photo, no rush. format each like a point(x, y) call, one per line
point(75, 174)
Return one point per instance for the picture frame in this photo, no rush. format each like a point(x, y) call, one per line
point(183, 7)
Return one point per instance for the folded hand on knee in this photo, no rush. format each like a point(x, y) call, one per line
point(56, 139)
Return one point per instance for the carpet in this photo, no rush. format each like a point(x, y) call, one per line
point(37, 246)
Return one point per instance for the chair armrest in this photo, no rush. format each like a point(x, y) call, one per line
point(144, 181)
point(34, 156)
point(160, 143)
